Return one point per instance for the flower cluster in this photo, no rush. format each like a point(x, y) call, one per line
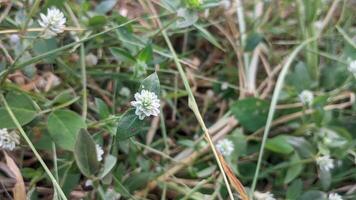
point(8, 140)
point(53, 23)
point(146, 104)
point(306, 97)
point(325, 162)
point(225, 147)
point(334, 196)
point(352, 67)
point(263, 196)
point(99, 152)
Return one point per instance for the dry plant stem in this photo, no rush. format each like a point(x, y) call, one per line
point(222, 127)
point(329, 15)
point(38, 156)
point(5, 12)
point(194, 106)
point(8, 31)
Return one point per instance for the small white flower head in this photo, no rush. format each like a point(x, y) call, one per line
point(99, 152)
point(14, 39)
point(334, 196)
point(91, 59)
point(306, 97)
point(325, 162)
point(53, 23)
point(226, 4)
point(352, 67)
point(146, 104)
point(8, 141)
point(318, 25)
point(88, 183)
point(124, 91)
point(224, 86)
point(225, 147)
point(263, 196)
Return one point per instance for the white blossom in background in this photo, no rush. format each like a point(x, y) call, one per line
point(14, 39)
point(225, 147)
point(325, 162)
point(306, 97)
point(226, 4)
point(8, 141)
point(146, 104)
point(124, 91)
point(318, 25)
point(91, 59)
point(334, 196)
point(53, 23)
point(352, 67)
point(263, 196)
point(99, 152)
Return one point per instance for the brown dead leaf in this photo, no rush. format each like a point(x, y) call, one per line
point(233, 180)
point(19, 189)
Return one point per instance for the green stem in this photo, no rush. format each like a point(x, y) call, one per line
point(84, 81)
point(16, 122)
point(272, 108)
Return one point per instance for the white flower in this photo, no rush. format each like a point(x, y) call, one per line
point(334, 196)
point(325, 162)
point(124, 91)
point(53, 23)
point(14, 39)
point(146, 104)
point(318, 25)
point(8, 140)
point(99, 152)
point(306, 97)
point(91, 59)
point(263, 196)
point(352, 67)
point(226, 4)
point(225, 147)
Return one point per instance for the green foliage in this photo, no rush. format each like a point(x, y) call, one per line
point(251, 113)
point(64, 126)
point(86, 155)
point(22, 107)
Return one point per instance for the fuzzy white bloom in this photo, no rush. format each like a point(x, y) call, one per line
point(325, 162)
point(124, 91)
point(263, 196)
point(318, 25)
point(53, 22)
point(334, 196)
point(225, 147)
point(146, 104)
point(306, 97)
point(8, 140)
point(352, 67)
point(14, 39)
point(91, 59)
point(226, 4)
point(99, 152)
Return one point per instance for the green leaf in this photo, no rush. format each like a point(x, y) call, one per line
point(105, 6)
point(295, 189)
point(103, 109)
point(187, 17)
point(294, 170)
point(146, 54)
point(109, 164)
point(43, 46)
point(130, 125)
point(63, 126)
point(22, 107)
point(85, 154)
point(313, 195)
point(252, 41)
point(251, 113)
point(151, 83)
point(304, 147)
point(207, 35)
point(121, 55)
point(97, 21)
point(279, 144)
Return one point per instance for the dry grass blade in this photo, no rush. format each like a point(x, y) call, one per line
point(233, 180)
point(19, 189)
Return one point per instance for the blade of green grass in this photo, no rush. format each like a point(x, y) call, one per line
point(272, 107)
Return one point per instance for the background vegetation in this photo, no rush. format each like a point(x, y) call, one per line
point(226, 69)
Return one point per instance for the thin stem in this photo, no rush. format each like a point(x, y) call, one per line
point(272, 108)
point(194, 107)
point(16, 122)
point(84, 81)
